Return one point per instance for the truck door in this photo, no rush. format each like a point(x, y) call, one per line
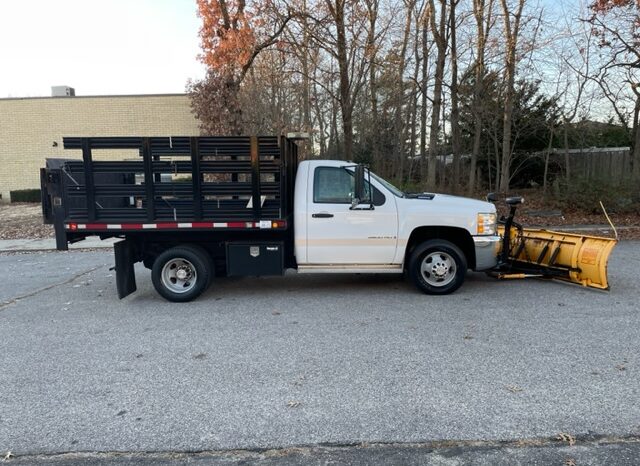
point(337, 234)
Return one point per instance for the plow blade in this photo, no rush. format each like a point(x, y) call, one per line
point(566, 256)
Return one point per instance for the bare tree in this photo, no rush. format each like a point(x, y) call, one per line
point(512, 33)
point(439, 34)
point(455, 110)
point(616, 24)
point(482, 12)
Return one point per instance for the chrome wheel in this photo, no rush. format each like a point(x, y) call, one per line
point(179, 275)
point(438, 269)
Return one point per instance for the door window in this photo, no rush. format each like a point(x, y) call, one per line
point(335, 185)
point(332, 185)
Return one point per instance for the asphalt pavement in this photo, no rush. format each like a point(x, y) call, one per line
point(312, 361)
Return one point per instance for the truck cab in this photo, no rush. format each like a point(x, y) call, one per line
point(433, 237)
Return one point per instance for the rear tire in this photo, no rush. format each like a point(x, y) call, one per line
point(202, 252)
point(181, 274)
point(437, 267)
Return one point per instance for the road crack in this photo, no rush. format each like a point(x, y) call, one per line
point(12, 301)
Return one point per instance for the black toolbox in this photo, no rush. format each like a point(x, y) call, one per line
point(255, 259)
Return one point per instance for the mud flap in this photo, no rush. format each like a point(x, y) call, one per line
point(125, 273)
point(570, 257)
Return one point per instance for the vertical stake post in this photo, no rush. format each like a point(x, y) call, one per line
point(148, 179)
point(196, 177)
point(255, 178)
point(89, 183)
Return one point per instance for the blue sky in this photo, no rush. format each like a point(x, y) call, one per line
point(97, 46)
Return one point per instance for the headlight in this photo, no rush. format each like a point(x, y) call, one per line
point(487, 224)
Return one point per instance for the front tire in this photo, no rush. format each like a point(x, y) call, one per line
point(181, 274)
point(437, 267)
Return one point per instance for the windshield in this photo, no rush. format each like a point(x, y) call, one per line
point(389, 186)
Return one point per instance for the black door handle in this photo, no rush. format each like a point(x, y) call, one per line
point(322, 215)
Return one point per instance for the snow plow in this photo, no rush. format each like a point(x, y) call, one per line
point(538, 253)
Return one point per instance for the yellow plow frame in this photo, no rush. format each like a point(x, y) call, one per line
point(570, 257)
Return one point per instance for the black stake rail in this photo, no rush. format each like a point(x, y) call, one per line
point(180, 178)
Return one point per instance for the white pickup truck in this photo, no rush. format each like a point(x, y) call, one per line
point(192, 209)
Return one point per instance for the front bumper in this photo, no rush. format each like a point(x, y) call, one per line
point(487, 249)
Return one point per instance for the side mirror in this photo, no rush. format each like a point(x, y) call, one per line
point(492, 197)
point(359, 187)
point(359, 195)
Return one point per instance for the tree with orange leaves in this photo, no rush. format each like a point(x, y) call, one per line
point(232, 35)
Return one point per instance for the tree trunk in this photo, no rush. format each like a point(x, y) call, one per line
point(306, 85)
point(482, 14)
point(321, 123)
point(511, 34)
point(455, 112)
point(438, 32)
point(343, 66)
point(400, 93)
point(496, 149)
point(567, 161)
point(546, 165)
point(423, 89)
point(635, 158)
point(414, 95)
point(372, 6)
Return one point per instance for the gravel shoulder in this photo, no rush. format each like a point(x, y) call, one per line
point(23, 220)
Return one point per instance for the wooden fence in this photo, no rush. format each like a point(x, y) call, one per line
point(604, 164)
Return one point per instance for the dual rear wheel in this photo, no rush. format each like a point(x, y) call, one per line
point(182, 273)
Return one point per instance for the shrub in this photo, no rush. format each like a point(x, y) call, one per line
point(25, 195)
point(586, 195)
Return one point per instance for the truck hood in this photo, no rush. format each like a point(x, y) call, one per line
point(441, 209)
point(456, 202)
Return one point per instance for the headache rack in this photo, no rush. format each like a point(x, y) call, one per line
point(169, 183)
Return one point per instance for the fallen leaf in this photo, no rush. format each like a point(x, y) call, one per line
point(293, 404)
point(568, 438)
point(570, 462)
point(7, 456)
point(513, 388)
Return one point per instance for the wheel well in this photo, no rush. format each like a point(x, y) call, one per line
point(151, 250)
point(458, 236)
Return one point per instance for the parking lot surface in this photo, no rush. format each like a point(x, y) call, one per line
point(309, 360)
